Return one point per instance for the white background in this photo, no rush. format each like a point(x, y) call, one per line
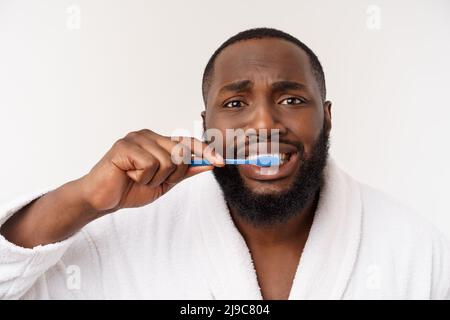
point(67, 93)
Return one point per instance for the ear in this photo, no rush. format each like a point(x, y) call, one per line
point(203, 114)
point(327, 115)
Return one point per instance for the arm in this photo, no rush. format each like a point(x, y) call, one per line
point(51, 218)
point(136, 171)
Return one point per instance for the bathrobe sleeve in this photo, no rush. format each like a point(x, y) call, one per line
point(23, 270)
point(441, 267)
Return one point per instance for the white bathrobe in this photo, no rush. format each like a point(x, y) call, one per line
point(362, 245)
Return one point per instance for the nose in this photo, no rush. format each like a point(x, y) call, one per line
point(265, 116)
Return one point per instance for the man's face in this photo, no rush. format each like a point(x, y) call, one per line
point(268, 84)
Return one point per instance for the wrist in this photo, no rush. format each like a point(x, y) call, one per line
point(76, 190)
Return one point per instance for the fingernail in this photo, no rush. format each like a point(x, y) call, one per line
point(218, 159)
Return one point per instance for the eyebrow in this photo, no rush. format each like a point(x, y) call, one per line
point(287, 85)
point(245, 85)
point(238, 86)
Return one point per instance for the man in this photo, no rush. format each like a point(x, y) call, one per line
point(306, 230)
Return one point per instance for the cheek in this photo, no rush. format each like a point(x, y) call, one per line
point(225, 119)
point(306, 127)
point(215, 125)
point(213, 120)
point(221, 123)
point(216, 132)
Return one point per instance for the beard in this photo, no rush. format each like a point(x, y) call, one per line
point(277, 207)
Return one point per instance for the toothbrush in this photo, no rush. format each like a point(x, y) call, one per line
point(262, 161)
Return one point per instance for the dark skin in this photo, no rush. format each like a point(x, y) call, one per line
point(279, 92)
point(272, 87)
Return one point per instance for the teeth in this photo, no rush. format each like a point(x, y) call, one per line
point(282, 156)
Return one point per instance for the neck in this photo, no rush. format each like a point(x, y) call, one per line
point(294, 231)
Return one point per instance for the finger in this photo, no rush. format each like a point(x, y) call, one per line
point(184, 145)
point(192, 146)
point(177, 175)
point(146, 139)
point(202, 150)
point(166, 166)
point(138, 164)
point(197, 147)
point(189, 146)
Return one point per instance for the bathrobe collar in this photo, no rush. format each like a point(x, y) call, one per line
point(328, 257)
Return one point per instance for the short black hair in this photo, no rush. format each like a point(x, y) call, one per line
point(261, 33)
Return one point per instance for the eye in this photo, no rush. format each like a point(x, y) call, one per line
point(234, 104)
point(293, 101)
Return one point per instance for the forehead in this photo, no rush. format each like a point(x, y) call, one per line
point(267, 60)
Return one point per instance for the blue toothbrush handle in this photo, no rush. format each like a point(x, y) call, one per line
point(199, 163)
point(204, 162)
point(264, 162)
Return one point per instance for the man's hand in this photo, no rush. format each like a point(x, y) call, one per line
point(136, 171)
